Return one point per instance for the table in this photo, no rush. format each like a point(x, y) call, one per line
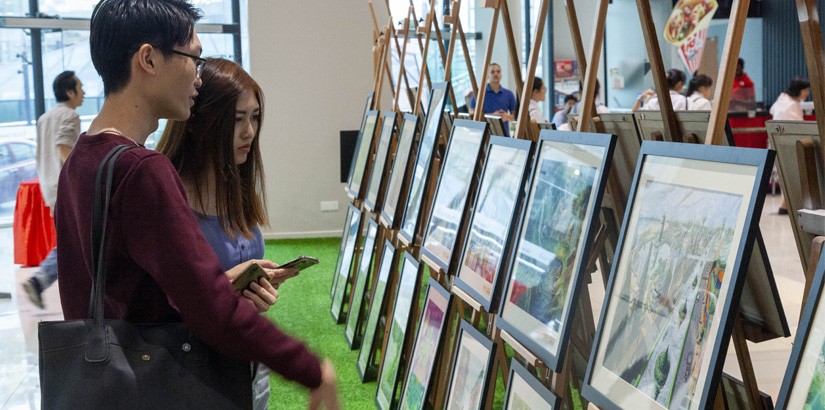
point(33, 226)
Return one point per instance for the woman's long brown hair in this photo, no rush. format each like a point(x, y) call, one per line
point(205, 143)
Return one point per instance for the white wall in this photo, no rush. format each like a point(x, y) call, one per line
point(314, 63)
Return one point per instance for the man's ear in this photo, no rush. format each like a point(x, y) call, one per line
point(146, 58)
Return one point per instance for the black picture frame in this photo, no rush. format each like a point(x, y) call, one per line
point(352, 329)
point(351, 210)
point(399, 178)
point(453, 191)
point(807, 362)
point(427, 145)
point(378, 177)
point(344, 272)
point(427, 346)
point(359, 171)
point(695, 176)
point(496, 125)
point(580, 161)
point(472, 349)
point(488, 237)
point(522, 382)
point(386, 272)
point(398, 336)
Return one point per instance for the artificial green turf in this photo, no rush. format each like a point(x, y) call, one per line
point(302, 310)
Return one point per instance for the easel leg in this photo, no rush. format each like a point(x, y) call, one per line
point(816, 251)
point(745, 365)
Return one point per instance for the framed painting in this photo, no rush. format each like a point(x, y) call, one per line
point(452, 191)
point(494, 210)
point(352, 212)
point(397, 337)
point(426, 348)
point(352, 331)
point(400, 172)
point(496, 125)
point(545, 275)
point(423, 162)
point(471, 371)
point(377, 181)
point(365, 366)
point(735, 396)
point(348, 260)
point(525, 392)
point(677, 277)
point(363, 150)
point(804, 384)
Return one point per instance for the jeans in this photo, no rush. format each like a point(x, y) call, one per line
point(47, 274)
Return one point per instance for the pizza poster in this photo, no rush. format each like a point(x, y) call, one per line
point(687, 29)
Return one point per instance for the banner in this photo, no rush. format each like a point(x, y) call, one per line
point(687, 29)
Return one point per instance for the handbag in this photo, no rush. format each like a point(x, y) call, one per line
point(98, 363)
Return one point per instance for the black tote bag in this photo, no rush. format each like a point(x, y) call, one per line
point(98, 363)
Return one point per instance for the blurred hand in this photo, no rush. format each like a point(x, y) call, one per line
point(325, 396)
point(238, 269)
point(261, 294)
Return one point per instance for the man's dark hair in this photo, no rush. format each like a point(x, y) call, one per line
point(63, 83)
point(537, 83)
point(740, 62)
point(120, 27)
point(796, 86)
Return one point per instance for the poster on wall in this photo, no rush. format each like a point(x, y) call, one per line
point(687, 29)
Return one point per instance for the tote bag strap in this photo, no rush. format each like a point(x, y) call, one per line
point(100, 211)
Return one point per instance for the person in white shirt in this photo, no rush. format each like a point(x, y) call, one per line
point(57, 132)
point(539, 94)
point(675, 82)
point(698, 93)
point(788, 108)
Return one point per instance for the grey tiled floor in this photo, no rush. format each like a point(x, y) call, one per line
point(19, 384)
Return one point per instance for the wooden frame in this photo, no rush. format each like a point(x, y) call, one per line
point(427, 346)
point(496, 125)
point(364, 364)
point(377, 182)
point(488, 237)
point(351, 252)
point(398, 335)
point(668, 174)
point(471, 349)
point(692, 126)
point(569, 156)
point(352, 331)
point(801, 186)
point(806, 367)
point(423, 163)
point(735, 395)
point(531, 392)
point(400, 173)
point(452, 193)
point(363, 151)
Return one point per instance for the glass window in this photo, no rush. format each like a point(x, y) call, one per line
point(22, 152)
point(67, 8)
point(69, 50)
point(5, 155)
point(17, 113)
point(14, 7)
point(215, 11)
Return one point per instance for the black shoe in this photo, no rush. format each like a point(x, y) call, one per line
point(34, 291)
point(782, 211)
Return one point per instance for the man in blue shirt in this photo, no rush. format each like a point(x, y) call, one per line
point(497, 99)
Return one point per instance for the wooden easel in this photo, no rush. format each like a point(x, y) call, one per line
point(807, 153)
point(430, 26)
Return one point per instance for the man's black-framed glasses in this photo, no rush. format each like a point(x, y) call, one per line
point(199, 62)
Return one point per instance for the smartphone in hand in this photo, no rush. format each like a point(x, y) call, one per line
point(300, 263)
point(253, 273)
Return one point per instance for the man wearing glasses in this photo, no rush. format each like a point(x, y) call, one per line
point(161, 267)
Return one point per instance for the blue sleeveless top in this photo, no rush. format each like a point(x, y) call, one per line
point(231, 252)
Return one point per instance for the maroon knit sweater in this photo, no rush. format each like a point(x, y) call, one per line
point(161, 269)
